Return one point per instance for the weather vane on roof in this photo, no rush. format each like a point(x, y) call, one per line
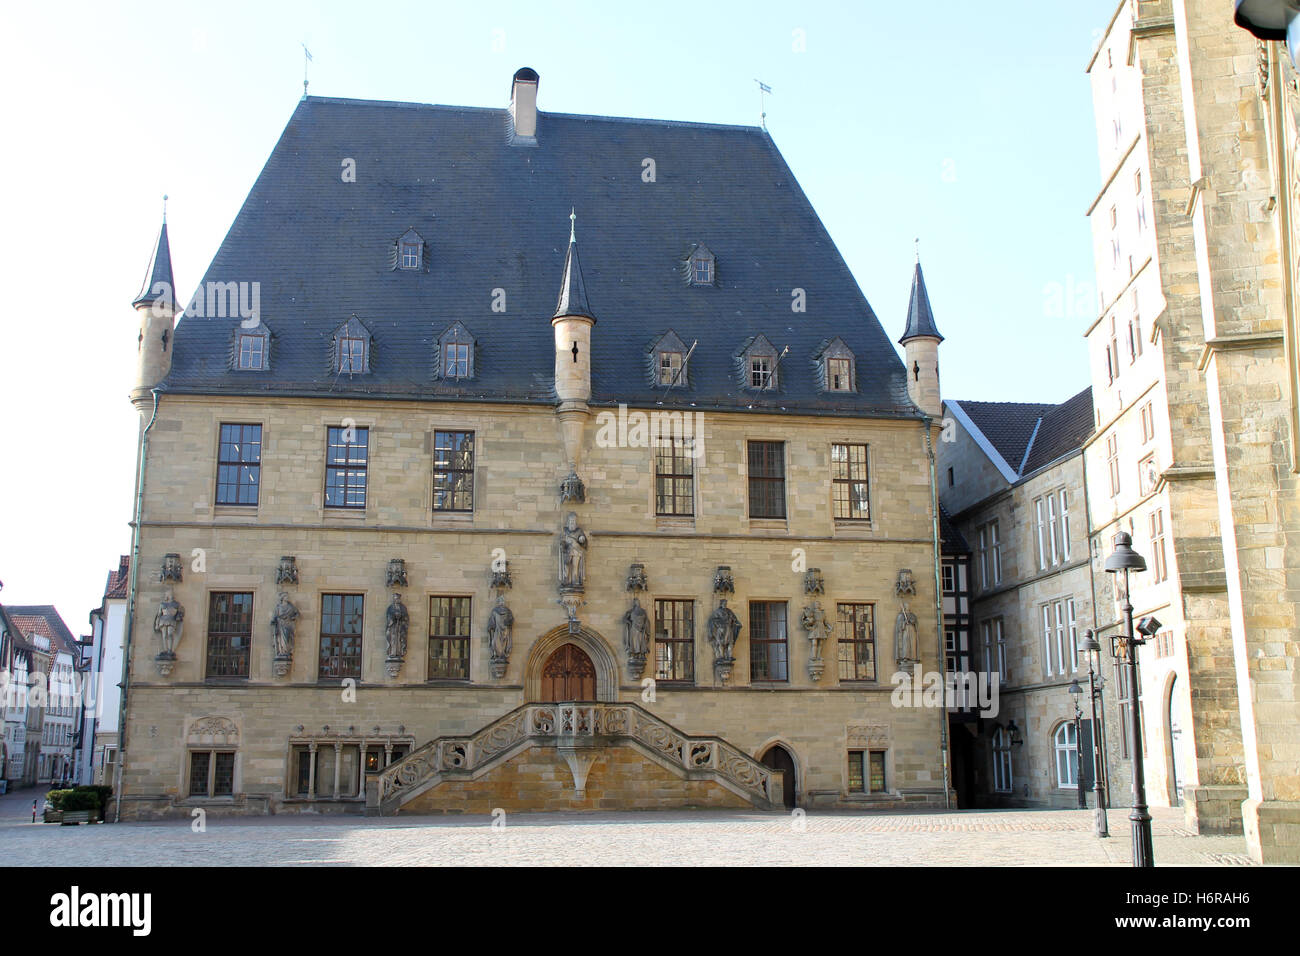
point(573, 225)
point(306, 54)
point(763, 90)
point(917, 240)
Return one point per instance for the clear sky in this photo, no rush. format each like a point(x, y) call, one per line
point(968, 125)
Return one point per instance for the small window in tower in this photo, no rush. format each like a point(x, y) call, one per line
point(252, 352)
point(410, 255)
point(670, 367)
point(839, 374)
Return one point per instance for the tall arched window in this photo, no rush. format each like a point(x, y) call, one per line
point(1001, 761)
point(1067, 756)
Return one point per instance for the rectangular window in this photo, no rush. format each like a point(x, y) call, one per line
point(1114, 336)
point(1112, 462)
point(867, 771)
point(453, 471)
point(982, 552)
point(838, 375)
point(767, 479)
point(857, 776)
point(849, 482)
point(352, 355)
point(1040, 525)
point(760, 372)
point(239, 464)
point(212, 773)
point(995, 552)
point(1052, 530)
point(768, 650)
point(1148, 474)
point(1148, 423)
point(1047, 640)
point(703, 271)
point(1159, 567)
point(876, 770)
point(251, 351)
point(670, 367)
point(1058, 614)
point(230, 633)
point(1065, 524)
point(949, 579)
point(449, 638)
point(857, 626)
point(1072, 635)
point(675, 640)
point(457, 360)
point(342, 616)
point(346, 458)
point(410, 255)
point(675, 476)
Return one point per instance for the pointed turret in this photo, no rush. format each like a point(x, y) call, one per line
point(572, 322)
point(920, 343)
point(156, 308)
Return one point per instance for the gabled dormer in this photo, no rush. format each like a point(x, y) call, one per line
point(250, 349)
point(410, 253)
point(666, 362)
point(756, 365)
point(454, 358)
point(350, 348)
point(700, 267)
point(835, 367)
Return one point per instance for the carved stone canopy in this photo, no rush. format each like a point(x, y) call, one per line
point(723, 582)
point(636, 578)
point(904, 584)
point(171, 568)
point(501, 576)
point(813, 582)
point(287, 572)
point(572, 489)
point(396, 576)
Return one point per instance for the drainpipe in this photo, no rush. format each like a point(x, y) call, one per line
point(926, 423)
point(142, 452)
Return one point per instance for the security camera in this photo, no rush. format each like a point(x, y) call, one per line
point(1148, 626)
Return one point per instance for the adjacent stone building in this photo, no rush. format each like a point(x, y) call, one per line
point(1194, 371)
point(417, 536)
point(1012, 477)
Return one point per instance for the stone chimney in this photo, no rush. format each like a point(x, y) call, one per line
point(523, 107)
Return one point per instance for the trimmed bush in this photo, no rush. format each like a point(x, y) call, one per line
point(80, 800)
point(56, 798)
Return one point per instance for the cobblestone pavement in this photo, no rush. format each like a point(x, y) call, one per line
point(998, 838)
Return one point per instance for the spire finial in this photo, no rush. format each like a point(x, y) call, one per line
point(918, 250)
point(573, 225)
point(164, 209)
point(306, 58)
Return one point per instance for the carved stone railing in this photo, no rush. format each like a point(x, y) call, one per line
point(566, 725)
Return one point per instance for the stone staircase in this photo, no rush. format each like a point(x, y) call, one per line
point(575, 730)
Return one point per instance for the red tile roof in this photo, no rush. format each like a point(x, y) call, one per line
point(117, 580)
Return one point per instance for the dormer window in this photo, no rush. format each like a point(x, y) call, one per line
point(700, 266)
point(758, 364)
point(835, 367)
point(666, 362)
point(408, 252)
point(455, 353)
point(351, 348)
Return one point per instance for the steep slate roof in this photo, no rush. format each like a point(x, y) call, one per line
point(1030, 436)
point(495, 217)
point(920, 317)
point(951, 540)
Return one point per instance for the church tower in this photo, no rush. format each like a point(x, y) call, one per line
point(156, 307)
point(921, 349)
point(572, 323)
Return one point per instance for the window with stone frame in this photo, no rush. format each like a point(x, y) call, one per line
point(849, 482)
point(449, 637)
point(989, 555)
point(766, 479)
point(211, 773)
point(453, 471)
point(674, 476)
point(342, 617)
point(230, 633)
point(769, 651)
point(1159, 562)
point(1001, 761)
point(1112, 463)
point(856, 624)
point(674, 640)
point(867, 771)
point(239, 464)
point(1065, 744)
point(347, 453)
point(327, 771)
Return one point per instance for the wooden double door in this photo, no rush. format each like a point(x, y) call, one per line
point(568, 674)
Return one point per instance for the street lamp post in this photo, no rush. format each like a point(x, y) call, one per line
point(1090, 646)
point(1075, 693)
point(1125, 559)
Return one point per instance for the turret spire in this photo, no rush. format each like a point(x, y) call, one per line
point(573, 294)
point(158, 284)
point(920, 318)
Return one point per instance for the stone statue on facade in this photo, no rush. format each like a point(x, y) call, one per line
point(500, 625)
point(724, 628)
point(573, 554)
point(168, 623)
point(636, 638)
point(905, 635)
point(817, 625)
point(283, 623)
point(398, 619)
